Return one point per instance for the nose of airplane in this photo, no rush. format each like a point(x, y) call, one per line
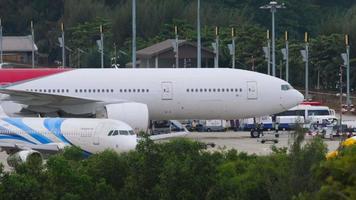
point(291, 98)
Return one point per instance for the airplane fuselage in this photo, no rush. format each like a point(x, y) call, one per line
point(174, 93)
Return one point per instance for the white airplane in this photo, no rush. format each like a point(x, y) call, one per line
point(22, 138)
point(136, 95)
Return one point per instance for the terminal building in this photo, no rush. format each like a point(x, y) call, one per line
point(162, 55)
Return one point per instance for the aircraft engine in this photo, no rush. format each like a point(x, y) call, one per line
point(134, 114)
point(24, 156)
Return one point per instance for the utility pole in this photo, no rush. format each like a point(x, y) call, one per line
point(232, 47)
point(102, 46)
point(1, 51)
point(198, 38)
point(216, 48)
point(177, 46)
point(348, 100)
point(133, 33)
point(306, 65)
point(33, 45)
point(268, 53)
point(287, 56)
point(63, 47)
point(340, 98)
point(115, 55)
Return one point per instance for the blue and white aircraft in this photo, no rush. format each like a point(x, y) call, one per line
point(24, 137)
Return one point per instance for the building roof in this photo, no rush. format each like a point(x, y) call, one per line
point(18, 43)
point(164, 46)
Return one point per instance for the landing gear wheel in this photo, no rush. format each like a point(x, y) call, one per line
point(255, 134)
point(276, 135)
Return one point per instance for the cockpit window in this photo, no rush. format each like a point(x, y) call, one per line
point(124, 132)
point(131, 132)
point(116, 132)
point(110, 133)
point(286, 87)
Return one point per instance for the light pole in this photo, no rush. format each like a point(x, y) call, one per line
point(287, 56)
point(232, 47)
point(216, 48)
point(134, 33)
point(340, 87)
point(1, 60)
point(273, 6)
point(33, 45)
point(305, 54)
point(63, 47)
point(348, 100)
point(198, 37)
point(269, 52)
point(176, 46)
point(102, 46)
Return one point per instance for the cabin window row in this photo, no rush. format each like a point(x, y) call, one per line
point(120, 132)
point(94, 90)
point(49, 90)
point(214, 90)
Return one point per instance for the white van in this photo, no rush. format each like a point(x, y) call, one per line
point(305, 114)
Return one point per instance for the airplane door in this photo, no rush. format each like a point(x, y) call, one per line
point(252, 90)
point(167, 90)
point(96, 135)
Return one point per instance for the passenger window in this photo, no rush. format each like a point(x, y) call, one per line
point(80, 90)
point(209, 89)
point(102, 90)
point(110, 133)
point(116, 132)
point(227, 90)
point(218, 89)
point(143, 90)
point(124, 132)
point(89, 90)
point(214, 90)
point(240, 89)
point(187, 90)
point(223, 90)
point(196, 90)
point(205, 90)
point(112, 90)
point(85, 90)
point(44, 90)
point(93, 90)
point(147, 90)
point(40, 90)
point(129, 90)
point(201, 90)
point(76, 90)
point(138, 90)
point(98, 90)
point(107, 90)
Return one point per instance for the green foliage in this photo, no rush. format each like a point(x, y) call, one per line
point(338, 176)
point(184, 169)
